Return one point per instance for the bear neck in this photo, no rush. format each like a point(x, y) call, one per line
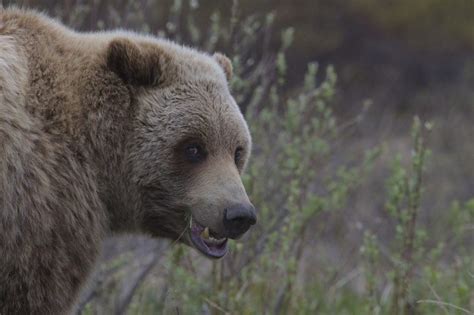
point(77, 101)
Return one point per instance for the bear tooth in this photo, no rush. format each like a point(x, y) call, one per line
point(205, 233)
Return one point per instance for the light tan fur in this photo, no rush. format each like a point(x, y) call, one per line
point(92, 129)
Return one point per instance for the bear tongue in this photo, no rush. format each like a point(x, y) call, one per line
point(216, 249)
point(210, 248)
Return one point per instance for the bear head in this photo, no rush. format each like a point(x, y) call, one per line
point(188, 145)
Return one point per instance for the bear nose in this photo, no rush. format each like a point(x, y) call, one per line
point(238, 219)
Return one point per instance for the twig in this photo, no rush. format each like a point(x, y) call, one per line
point(216, 306)
point(129, 291)
point(446, 304)
point(438, 298)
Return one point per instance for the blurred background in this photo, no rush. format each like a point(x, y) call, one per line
point(362, 113)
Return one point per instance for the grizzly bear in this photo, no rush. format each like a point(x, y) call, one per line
point(111, 132)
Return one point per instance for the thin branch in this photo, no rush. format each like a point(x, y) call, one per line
point(439, 303)
point(128, 291)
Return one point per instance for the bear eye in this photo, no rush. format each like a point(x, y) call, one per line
point(238, 155)
point(194, 153)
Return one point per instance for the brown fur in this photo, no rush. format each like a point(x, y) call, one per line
point(91, 132)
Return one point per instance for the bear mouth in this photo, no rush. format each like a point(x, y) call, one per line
point(203, 240)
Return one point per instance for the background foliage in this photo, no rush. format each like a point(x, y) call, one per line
point(357, 215)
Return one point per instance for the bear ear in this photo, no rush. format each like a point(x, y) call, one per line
point(134, 64)
point(225, 64)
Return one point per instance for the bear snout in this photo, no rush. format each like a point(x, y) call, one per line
point(238, 219)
